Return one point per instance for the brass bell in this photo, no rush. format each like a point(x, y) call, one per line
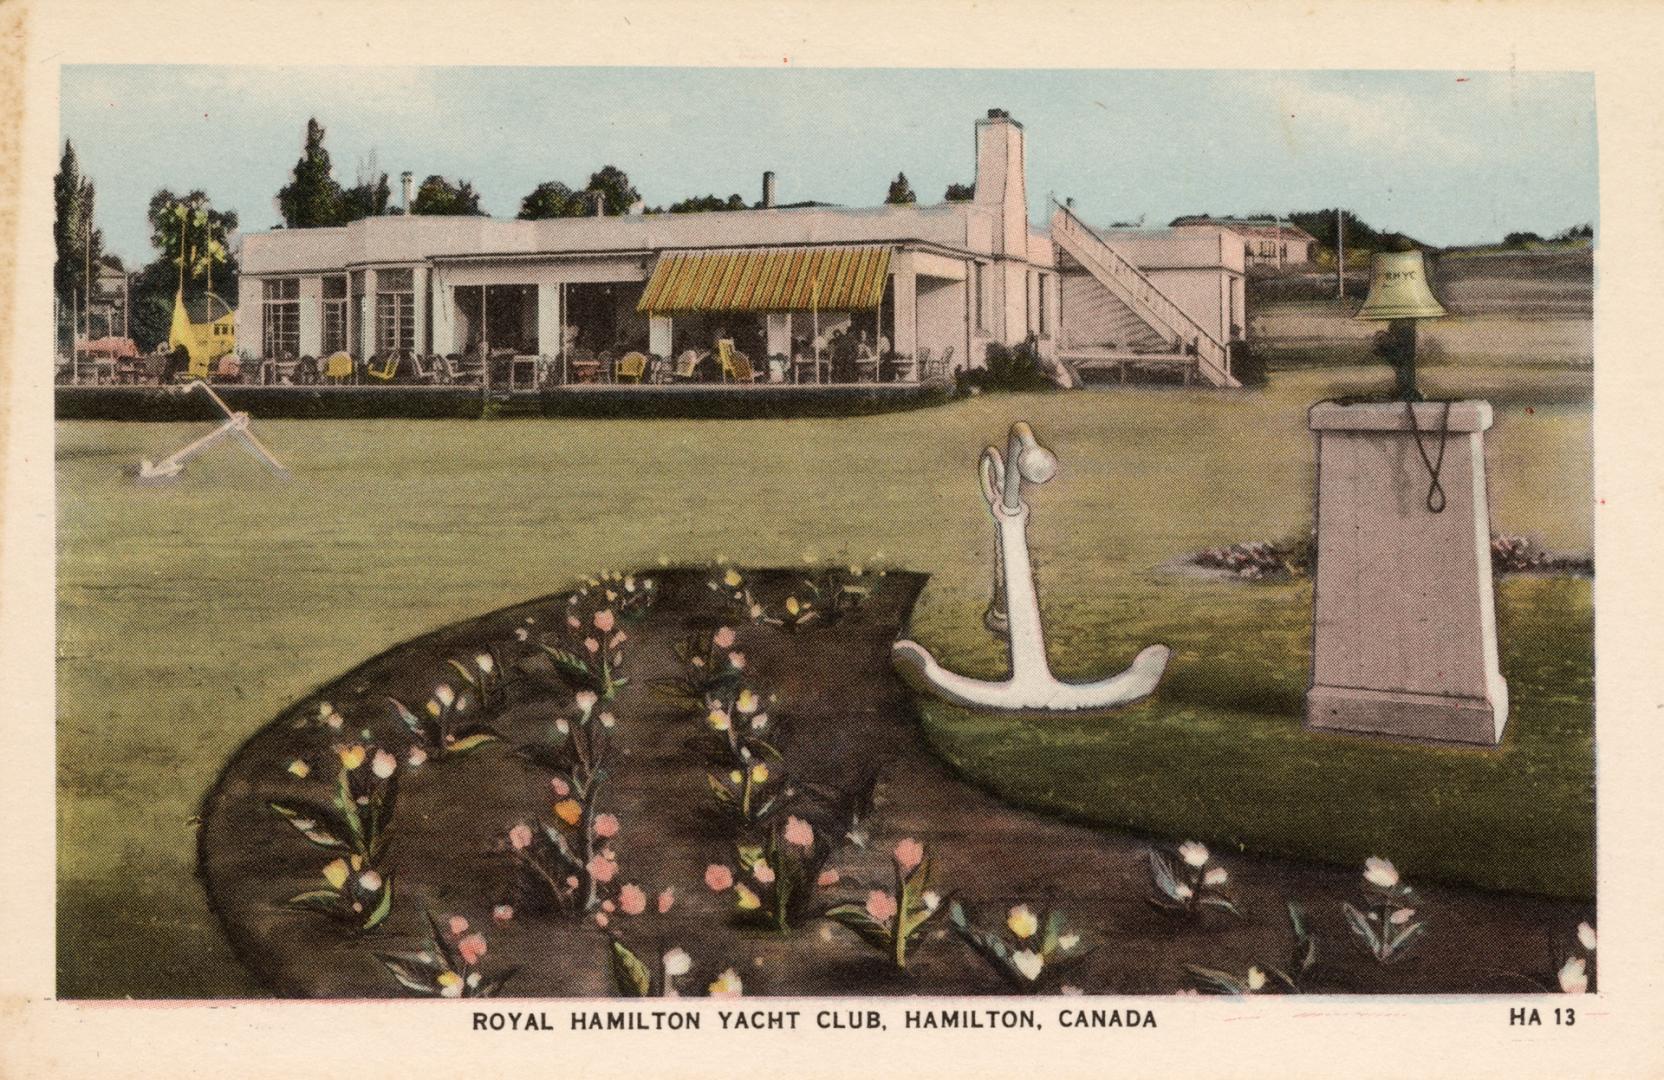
point(1398, 288)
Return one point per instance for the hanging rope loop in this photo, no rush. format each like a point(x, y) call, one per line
point(1434, 465)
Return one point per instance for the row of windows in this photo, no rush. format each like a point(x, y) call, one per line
point(1039, 320)
point(395, 313)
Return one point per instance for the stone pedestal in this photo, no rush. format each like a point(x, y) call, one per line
point(1404, 637)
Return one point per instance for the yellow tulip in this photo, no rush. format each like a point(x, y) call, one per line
point(336, 873)
point(759, 773)
point(299, 768)
point(352, 757)
point(746, 898)
point(732, 578)
point(718, 720)
point(746, 702)
point(1022, 921)
point(736, 776)
point(792, 607)
point(569, 811)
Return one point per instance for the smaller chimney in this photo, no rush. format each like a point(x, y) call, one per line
point(768, 190)
point(600, 203)
point(407, 180)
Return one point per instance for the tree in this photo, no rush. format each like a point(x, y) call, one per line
point(73, 231)
point(614, 185)
point(207, 261)
point(438, 197)
point(367, 198)
point(958, 192)
point(312, 198)
point(901, 192)
point(700, 204)
point(552, 199)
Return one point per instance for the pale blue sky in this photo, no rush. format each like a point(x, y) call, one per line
point(1449, 157)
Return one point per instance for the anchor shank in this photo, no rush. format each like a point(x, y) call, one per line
point(1024, 634)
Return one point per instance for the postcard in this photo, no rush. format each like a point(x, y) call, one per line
point(647, 538)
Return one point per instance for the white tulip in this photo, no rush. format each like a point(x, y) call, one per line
point(1193, 853)
point(445, 694)
point(1028, 962)
point(677, 962)
point(1380, 872)
point(1586, 936)
point(1216, 876)
point(1256, 979)
point(1574, 978)
point(484, 662)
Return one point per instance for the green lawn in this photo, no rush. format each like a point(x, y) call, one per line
point(188, 615)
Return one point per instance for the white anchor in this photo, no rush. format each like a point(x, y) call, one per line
point(236, 423)
point(1015, 608)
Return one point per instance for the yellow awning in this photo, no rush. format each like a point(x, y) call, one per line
point(770, 279)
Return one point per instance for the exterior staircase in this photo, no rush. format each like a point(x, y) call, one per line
point(1128, 284)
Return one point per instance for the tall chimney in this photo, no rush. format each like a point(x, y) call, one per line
point(1000, 181)
point(768, 190)
point(407, 180)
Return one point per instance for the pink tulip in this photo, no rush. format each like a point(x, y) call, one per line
point(827, 877)
point(618, 639)
point(601, 868)
point(736, 660)
point(571, 881)
point(601, 919)
point(459, 925)
point(472, 948)
point(763, 872)
point(799, 832)
point(666, 899)
point(561, 788)
point(718, 877)
point(592, 645)
point(881, 905)
point(572, 621)
point(724, 638)
point(909, 853)
point(606, 825)
point(603, 620)
point(502, 913)
point(631, 900)
point(608, 906)
point(521, 837)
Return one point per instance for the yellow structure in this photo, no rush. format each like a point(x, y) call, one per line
point(206, 340)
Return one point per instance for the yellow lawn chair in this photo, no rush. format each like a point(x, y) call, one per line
point(736, 366)
point(385, 370)
point(338, 367)
point(630, 368)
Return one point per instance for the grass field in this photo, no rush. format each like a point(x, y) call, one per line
point(188, 615)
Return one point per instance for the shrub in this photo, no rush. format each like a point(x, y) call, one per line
point(1009, 368)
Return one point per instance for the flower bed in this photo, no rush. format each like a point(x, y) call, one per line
point(1259, 560)
point(709, 782)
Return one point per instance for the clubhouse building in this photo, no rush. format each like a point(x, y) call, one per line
point(924, 289)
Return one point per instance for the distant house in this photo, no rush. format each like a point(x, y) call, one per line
point(1264, 243)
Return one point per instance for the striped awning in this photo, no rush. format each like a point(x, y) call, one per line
point(767, 279)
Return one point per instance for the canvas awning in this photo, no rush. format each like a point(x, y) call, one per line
point(768, 279)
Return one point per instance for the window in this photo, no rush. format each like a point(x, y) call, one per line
point(395, 311)
point(280, 316)
point(1041, 307)
point(334, 336)
point(976, 287)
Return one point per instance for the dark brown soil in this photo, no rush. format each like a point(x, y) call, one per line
point(847, 718)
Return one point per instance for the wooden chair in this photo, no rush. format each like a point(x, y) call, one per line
point(866, 363)
point(284, 370)
point(631, 367)
point(736, 366)
point(469, 369)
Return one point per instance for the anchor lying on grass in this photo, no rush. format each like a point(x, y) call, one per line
point(236, 423)
point(1015, 608)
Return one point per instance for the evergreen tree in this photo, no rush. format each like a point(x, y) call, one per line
point(959, 193)
point(312, 198)
point(901, 192)
point(73, 229)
